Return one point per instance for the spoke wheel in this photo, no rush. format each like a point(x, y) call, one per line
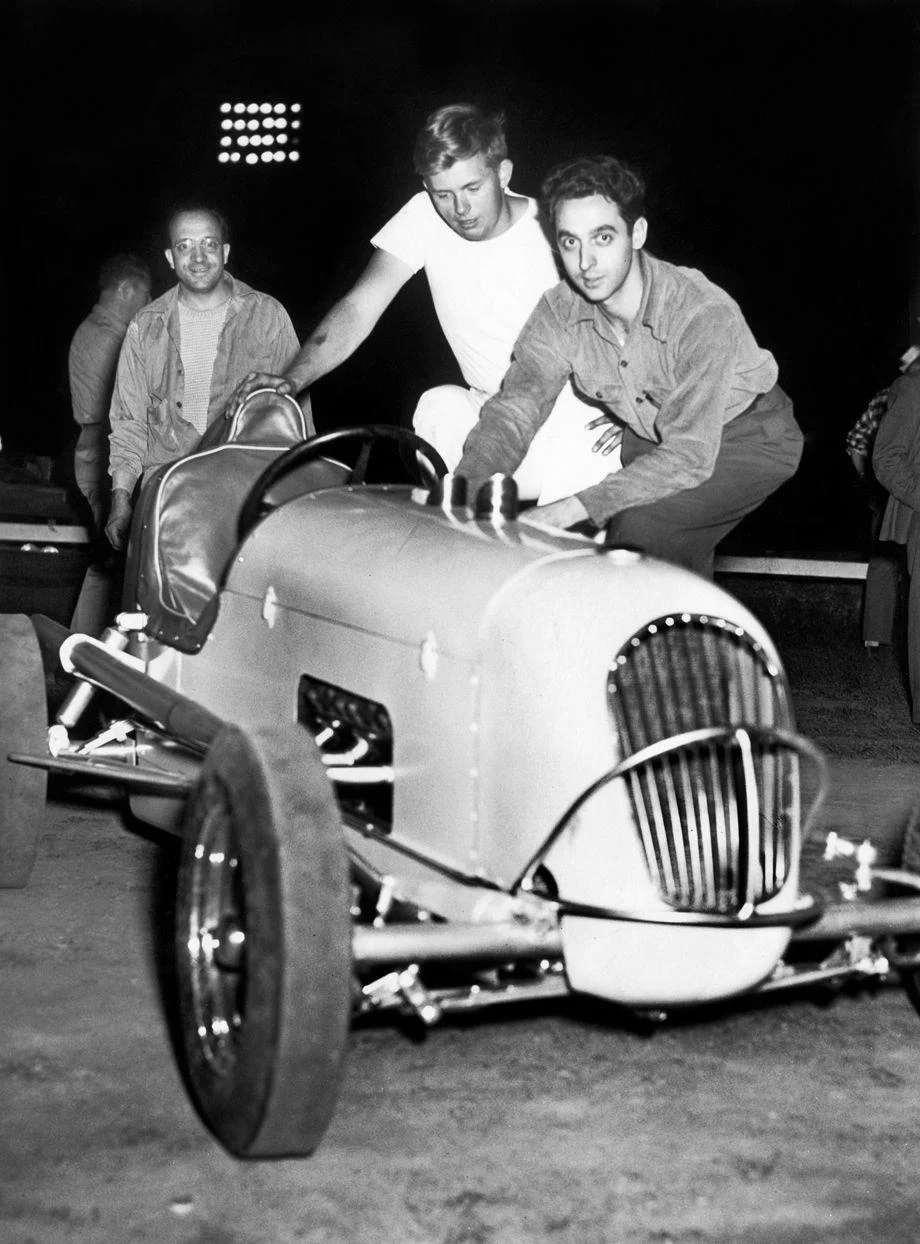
point(263, 942)
point(23, 722)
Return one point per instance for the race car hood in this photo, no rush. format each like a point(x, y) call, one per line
point(378, 561)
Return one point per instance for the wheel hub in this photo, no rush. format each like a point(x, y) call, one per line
point(225, 943)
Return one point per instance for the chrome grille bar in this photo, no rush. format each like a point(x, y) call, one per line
point(716, 819)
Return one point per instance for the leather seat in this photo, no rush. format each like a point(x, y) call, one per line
point(184, 531)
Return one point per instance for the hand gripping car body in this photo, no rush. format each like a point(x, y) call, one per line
point(425, 757)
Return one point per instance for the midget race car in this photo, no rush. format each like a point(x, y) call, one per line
point(424, 757)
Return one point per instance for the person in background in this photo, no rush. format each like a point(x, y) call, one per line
point(124, 287)
point(487, 261)
point(896, 463)
point(707, 433)
point(883, 570)
point(183, 356)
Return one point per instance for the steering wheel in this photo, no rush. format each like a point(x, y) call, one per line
point(430, 464)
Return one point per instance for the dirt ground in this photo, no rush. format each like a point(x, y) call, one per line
point(788, 1119)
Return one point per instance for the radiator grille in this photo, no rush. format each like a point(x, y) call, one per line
point(718, 820)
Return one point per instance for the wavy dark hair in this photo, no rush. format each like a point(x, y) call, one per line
point(600, 174)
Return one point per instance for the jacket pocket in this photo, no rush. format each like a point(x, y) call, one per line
point(161, 430)
point(588, 387)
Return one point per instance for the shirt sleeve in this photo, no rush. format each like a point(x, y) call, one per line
point(128, 415)
point(897, 443)
point(89, 461)
point(862, 434)
point(288, 348)
point(508, 422)
point(286, 344)
point(689, 423)
point(91, 366)
point(405, 234)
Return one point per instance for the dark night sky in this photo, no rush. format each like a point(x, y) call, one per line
point(780, 141)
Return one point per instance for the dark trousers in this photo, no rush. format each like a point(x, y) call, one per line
point(883, 574)
point(883, 583)
point(913, 615)
point(761, 449)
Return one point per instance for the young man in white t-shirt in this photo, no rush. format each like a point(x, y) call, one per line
point(483, 295)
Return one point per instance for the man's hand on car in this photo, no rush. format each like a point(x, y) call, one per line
point(567, 512)
point(119, 524)
point(252, 381)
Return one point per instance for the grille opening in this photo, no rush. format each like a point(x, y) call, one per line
point(717, 820)
point(339, 720)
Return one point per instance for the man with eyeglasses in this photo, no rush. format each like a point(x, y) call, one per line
point(183, 356)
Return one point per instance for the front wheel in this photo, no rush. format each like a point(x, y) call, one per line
point(263, 943)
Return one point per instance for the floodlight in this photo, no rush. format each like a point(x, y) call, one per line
point(257, 125)
point(293, 155)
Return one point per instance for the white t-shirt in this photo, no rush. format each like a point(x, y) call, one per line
point(483, 292)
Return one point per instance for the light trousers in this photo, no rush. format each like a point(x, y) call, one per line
point(560, 461)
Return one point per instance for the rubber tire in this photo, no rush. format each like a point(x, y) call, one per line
point(23, 728)
point(278, 1094)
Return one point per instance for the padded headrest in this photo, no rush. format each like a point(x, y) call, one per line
point(266, 419)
